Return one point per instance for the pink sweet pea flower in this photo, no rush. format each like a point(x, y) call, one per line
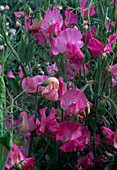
point(88, 34)
point(68, 133)
point(10, 74)
point(109, 134)
point(40, 37)
point(0, 70)
point(62, 89)
point(28, 23)
point(69, 36)
point(28, 122)
point(112, 38)
point(108, 25)
point(36, 27)
point(49, 123)
point(85, 13)
point(17, 159)
point(19, 14)
point(86, 162)
point(52, 69)
point(75, 101)
point(33, 83)
point(98, 48)
point(51, 91)
point(113, 70)
point(71, 17)
point(52, 22)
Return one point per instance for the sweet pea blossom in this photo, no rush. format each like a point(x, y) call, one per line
point(52, 69)
point(0, 69)
point(10, 74)
point(85, 13)
point(49, 123)
point(35, 27)
point(86, 162)
point(98, 48)
point(71, 17)
point(69, 40)
point(112, 38)
point(52, 22)
point(113, 70)
point(17, 159)
point(88, 34)
point(75, 102)
point(18, 14)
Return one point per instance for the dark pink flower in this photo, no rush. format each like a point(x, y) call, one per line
point(40, 37)
point(68, 133)
point(113, 70)
point(52, 22)
point(86, 162)
point(112, 38)
point(71, 17)
point(10, 74)
point(62, 89)
point(48, 123)
point(85, 13)
point(98, 48)
point(88, 34)
point(35, 27)
point(16, 159)
point(108, 25)
point(109, 134)
point(0, 69)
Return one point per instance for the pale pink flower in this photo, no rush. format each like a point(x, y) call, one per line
point(85, 13)
point(7, 24)
point(52, 69)
point(86, 26)
point(69, 36)
point(52, 22)
point(1, 47)
point(17, 159)
point(18, 24)
point(7, 7)
point(1, 7)
point(28, 122)
point(19, 14)
point(13, 31)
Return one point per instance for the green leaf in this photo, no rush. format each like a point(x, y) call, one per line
point(6, 140)
point(25, 51)
point(13, 83)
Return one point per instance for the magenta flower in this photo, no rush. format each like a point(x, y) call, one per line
point(69, 36)
point(86, 162)
point(52, 22)
point(88, 34)
point(10, 74)
point(49, 123)
point(109, 134)
point(98, 48)
point(91, 10)
point(108, 25)
point(113, 70)
point(112, 38)
point(71, 17)
point(18, 14)
point(33, 83)
point(68, 133)
point(17, 159)
point(0, 69)
point(74, 101)
point(35, 27)
point(52, 69)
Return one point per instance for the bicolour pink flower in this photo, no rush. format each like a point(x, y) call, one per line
point(35, 27)
point(71, 17)
point(10, 74)
point(28, 122)
point(86, 162)
point(68, 37)
point(85, 13)
point(98, 48)
point(75, 101)
point(113, 70)
point(88, 34)
point(112, 38)
point(49, 123)
point(28, 23)
point(17, 159)
point(52, 22)
point(33, 83)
